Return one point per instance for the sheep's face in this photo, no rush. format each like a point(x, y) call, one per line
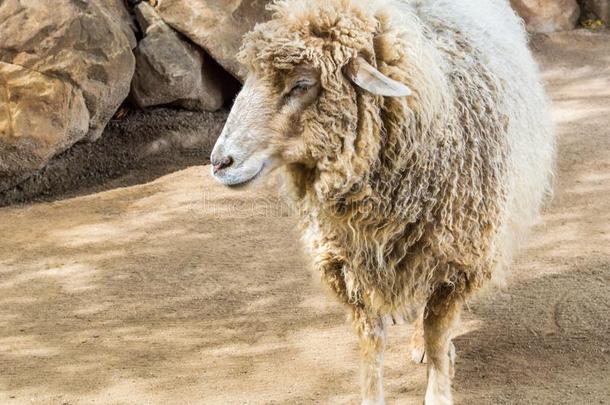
point(311, 97)
point(280, 118)
point(264, 128)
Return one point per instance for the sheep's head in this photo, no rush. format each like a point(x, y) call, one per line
point(311, 97)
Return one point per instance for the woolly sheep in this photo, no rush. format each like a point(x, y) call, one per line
point(415, 140)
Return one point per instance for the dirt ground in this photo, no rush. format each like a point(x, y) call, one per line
point(178, 291)
point(137, 148)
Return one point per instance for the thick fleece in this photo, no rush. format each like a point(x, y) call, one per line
point(412, 195)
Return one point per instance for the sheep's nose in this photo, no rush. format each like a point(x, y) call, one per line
point(222, 164)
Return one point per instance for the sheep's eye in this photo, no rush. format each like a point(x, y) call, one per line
point(299, 88)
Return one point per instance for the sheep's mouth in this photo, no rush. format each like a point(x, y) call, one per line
point(249, 180)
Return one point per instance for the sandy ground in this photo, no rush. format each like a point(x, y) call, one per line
point(178, 291)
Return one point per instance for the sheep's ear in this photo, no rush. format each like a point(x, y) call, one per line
point(372, 80)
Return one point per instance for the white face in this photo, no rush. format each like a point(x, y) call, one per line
point(243, 139)
point(262, 126)
point(265, 126)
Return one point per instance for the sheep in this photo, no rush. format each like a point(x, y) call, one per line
point(415, 140)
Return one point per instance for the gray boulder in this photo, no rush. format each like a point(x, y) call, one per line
point(118, 12)
point(215, 25)
point(170, 70)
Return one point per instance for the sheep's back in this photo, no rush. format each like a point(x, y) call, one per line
point(497, 34)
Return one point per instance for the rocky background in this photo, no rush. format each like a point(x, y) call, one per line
point(68, 68)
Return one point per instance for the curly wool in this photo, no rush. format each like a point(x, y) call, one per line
point(409, 195)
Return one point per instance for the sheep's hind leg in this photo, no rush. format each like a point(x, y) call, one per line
point(442, 312)
point(371, 332)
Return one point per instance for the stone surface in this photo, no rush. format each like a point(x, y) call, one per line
point(215, 25)
point(596, 9)
point(169, 70)
point(39, 116)
point(83, 52)
point(548, 15)
point(118, 12)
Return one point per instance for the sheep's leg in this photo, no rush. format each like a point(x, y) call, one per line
point(442, 312)
point(417, 344)
point(371, 332)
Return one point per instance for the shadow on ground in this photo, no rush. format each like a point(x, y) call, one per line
point(138, 148)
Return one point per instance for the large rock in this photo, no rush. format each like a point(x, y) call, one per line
point(39, 115)
point(548, 15)
point(64, 63)
point(118, 12)
point(170, 70)
point(215, 25)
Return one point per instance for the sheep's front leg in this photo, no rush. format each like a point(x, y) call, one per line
point(442, 312)
point(417, 344)
point(371, 332)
